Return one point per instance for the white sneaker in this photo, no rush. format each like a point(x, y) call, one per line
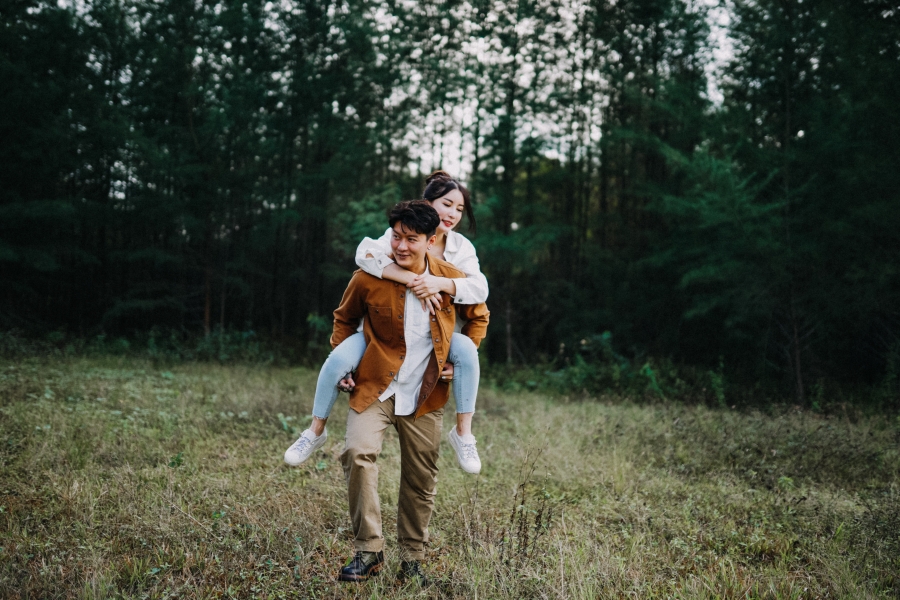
point(305, 445)
point(466, 454)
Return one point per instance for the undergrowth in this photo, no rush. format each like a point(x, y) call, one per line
point(165, 347)
point(593, 367)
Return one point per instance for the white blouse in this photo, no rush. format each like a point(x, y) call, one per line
point(459, 252)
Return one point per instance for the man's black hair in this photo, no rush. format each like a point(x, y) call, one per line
point(416, 215)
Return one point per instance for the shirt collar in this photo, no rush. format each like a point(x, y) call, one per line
point(453, 242)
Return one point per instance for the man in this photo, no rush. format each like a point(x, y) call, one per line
point(398, 384)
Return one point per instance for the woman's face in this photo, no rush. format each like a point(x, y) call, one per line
point(450, 209)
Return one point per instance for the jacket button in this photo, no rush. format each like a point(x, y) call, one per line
point(438, 340)
point(432, 319)
point(380, 391)
point(392, 373)
point(441, 361)
point(401, 337)
point(400, 317)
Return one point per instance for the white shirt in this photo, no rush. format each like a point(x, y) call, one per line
point(459, 252)
point(417, 334)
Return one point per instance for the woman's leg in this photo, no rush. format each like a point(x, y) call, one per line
point(466, 374)
point(342, 360)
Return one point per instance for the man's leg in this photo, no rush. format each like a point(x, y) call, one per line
point(365, 433)
point(420, 441)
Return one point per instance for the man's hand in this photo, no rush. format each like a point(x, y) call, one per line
point(447, 372)
point(347, 384)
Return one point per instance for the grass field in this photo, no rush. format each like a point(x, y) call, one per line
point(119, 479)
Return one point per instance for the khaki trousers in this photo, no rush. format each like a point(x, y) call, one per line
point(419, 442)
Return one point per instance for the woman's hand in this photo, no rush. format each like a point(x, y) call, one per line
point(431, 303)
point(425, 285)
point(427, 289)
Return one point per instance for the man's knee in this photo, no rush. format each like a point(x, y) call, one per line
point(358, 456)
point(419, 466)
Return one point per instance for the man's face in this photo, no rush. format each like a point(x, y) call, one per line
point(409, 247)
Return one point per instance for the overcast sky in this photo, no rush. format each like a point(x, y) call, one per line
point(453, 151)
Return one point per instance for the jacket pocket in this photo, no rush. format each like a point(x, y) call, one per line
point(381, 323)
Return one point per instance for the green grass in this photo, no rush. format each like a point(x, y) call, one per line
point(118, 479)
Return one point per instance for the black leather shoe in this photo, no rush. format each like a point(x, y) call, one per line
point(362, 566)
point(411, 570)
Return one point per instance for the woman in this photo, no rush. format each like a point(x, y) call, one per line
point(450, 199)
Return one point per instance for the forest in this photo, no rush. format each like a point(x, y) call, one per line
point(711, 184)
point(688, 212)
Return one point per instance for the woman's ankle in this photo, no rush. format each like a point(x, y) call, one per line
point(464, 423)
point(318, 425)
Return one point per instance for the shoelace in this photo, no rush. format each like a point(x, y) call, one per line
point(361, 557)
point(468, 450)
point(301, 444)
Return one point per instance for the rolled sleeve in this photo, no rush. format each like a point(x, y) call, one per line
point(471, 290)
point(474, 288)
point(372, 256)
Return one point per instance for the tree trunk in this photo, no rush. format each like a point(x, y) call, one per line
point(509, 341)
point(207, 301)
point(795, 342)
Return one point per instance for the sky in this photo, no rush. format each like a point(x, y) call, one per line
point(452, 150)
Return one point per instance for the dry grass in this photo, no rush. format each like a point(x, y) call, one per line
point(118, 479)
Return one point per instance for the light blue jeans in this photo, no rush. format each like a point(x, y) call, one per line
point(345, 358)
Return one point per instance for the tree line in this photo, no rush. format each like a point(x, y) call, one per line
point(210, 165)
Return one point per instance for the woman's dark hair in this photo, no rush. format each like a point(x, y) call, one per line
point(417, 215)
point(439, 183)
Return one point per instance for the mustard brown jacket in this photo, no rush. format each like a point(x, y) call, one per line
point(384, 302)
